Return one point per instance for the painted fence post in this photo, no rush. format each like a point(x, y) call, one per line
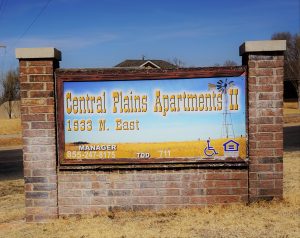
point(265, 61)
point(37, 67)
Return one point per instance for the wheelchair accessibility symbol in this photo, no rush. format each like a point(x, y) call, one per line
point(209, 150)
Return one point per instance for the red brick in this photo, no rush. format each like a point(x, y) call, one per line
point(252, 144)
point(252, 128)
point(260, 72)
point(192, 192)
point(226, 183)
point(35, 133)
point(252, 64)
point(279, 120)
point(40, 78)
point(279, 167)
point(279, 183)
point(26, 125)
point(218, 191)
point(50, 117)
point(269, 128)
point(266, 184)
point(279, 88)
point(269, 96)
point(33, 102)
point(243, 184)
point(41, 94)
point(35, 117)
point(269, 176)
point(227, 199)
point(42, 125)
point(207, 183)
point(198, 200)
point(265, 64)
point(279, 72)
point(269, 144)
point(40, 63)
point(221, 176)
point(34, 149)
point(39, 141)
point(36, 70)
point(270, 191)
point(264, 136)
point(22, 63)
point(270, 112)
point(48, 70)
point(50, 86)
point(23, 79)
point(23, 94)
point(175, 200)
point(278, 151)
point(261, 168)
point(144, 192)
point(41, 109)
point(243, 175)
point(252, 96)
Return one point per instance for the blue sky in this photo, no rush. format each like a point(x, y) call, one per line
point(153, 127)
point(105, 32)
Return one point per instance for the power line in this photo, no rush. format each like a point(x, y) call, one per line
point(30, 25)
point(2, 7)
point(34, 20)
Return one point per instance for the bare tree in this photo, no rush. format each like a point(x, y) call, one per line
point(226, 63)
point(291, 59)
point(177, 62)
point(11, 91)
point(230, 63)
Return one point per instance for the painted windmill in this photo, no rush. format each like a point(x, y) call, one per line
point(222, 87)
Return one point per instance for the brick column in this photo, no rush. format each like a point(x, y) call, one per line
point(265, 61)
point(37, 67)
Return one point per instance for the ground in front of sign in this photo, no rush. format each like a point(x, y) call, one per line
point(266, 219)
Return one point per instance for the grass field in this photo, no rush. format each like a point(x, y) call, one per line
point(10, 126)
point(10, 132)
point(265, 219)
point(290, 108)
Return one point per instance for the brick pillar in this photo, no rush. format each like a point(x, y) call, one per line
point(265, 61)
point(37, 67)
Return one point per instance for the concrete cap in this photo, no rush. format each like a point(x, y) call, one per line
point(38, 53)
point(263, 46)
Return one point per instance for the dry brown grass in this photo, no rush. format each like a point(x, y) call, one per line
point(272, 219)
point(8, 142)
point(290, 108)
point(11, 201)
point(10, 132)
point(10, 126)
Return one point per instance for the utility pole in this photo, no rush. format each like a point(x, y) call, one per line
point(2, 70)
point(4, 47)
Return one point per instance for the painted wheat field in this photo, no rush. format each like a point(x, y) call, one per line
point(185, 149)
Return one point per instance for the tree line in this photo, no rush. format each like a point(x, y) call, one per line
point(291, 59)
point(11, 91)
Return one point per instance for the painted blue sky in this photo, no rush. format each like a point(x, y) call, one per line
point(105, 32)
point(153, 127)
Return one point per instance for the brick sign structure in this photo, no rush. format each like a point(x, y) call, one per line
point(62, 178)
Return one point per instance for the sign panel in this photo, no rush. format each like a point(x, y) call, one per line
point(154, 120)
